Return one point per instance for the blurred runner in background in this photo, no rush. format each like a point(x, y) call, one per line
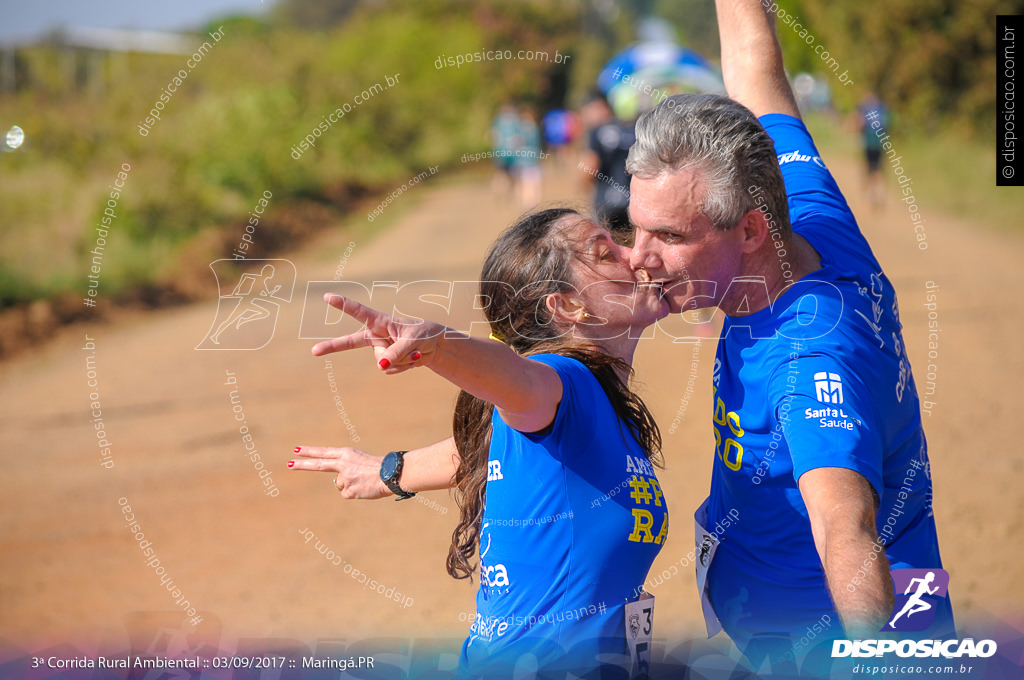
point(560, 130)
point(506, 139)
point(872, 110)
point(605, 165)
point(526, 164)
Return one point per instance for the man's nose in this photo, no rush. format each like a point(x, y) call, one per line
point(643, 255)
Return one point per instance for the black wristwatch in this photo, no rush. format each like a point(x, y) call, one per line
point(391, 472)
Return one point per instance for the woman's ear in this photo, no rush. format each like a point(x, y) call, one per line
point(564, 308)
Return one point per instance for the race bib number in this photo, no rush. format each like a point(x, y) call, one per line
point(706, 545)
point(639, 632)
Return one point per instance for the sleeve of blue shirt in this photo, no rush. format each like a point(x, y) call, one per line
point(817, 209)
point(573, 427)
point(809, 184)
point(827, 423)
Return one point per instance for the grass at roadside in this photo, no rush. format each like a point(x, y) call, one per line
point(949, 174)
point(232, 133)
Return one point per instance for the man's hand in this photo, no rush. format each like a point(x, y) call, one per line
point(841, 507)
point(752, 59)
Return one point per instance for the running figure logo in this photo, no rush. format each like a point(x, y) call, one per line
point(247, 316)
point(917, 593)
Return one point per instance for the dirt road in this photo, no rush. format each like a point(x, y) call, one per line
point(248, 562)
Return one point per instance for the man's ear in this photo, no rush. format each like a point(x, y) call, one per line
point(755, 228)
point(564, 308)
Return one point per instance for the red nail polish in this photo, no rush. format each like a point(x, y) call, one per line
point(415, 356)
point(297, 449)
point(291, 463)
point(384, 364)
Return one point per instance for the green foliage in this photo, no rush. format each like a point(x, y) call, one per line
point(232, 129)
point(314, 14)
point(954, 176)
point(695, 22)
point(931, 61)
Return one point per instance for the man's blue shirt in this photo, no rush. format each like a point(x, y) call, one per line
point(819, 379)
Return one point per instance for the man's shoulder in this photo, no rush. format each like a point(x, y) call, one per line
point(837, 238)
point(822, 313)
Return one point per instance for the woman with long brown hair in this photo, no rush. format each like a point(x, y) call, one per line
point(554, 465)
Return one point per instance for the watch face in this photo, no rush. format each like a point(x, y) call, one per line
point(388, 466)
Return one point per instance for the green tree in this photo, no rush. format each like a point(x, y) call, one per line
point(932, 61)
point(315, 14)
point(696, 22)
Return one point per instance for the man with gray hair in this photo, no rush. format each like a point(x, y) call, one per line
point(819, 442)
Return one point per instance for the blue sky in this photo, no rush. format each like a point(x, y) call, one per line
point(26, 19)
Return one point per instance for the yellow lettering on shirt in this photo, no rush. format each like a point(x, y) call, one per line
point(642, 523)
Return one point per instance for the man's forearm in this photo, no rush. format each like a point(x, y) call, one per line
point(858, 580)
point(841, 508)
point(752, 59)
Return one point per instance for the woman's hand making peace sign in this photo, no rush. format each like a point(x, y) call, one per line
point(399, 343)
point(525, 392)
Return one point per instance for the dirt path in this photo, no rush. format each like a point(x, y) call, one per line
point(72, 571)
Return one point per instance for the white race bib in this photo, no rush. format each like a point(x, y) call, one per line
point(639, 631)
point(706, 545)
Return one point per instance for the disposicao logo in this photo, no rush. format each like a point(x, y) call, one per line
point(949, 649)
point(918, 592)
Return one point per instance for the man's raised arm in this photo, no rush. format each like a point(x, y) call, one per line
point(752, 59)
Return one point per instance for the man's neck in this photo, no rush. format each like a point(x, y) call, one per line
point(769, 276)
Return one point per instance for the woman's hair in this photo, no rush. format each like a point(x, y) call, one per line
point(530, 261)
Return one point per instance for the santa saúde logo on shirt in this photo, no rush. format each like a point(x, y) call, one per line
point(918, 593)
point(828, 389)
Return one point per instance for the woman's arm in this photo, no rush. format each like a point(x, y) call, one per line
point(358, 472)
point(525, 392)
